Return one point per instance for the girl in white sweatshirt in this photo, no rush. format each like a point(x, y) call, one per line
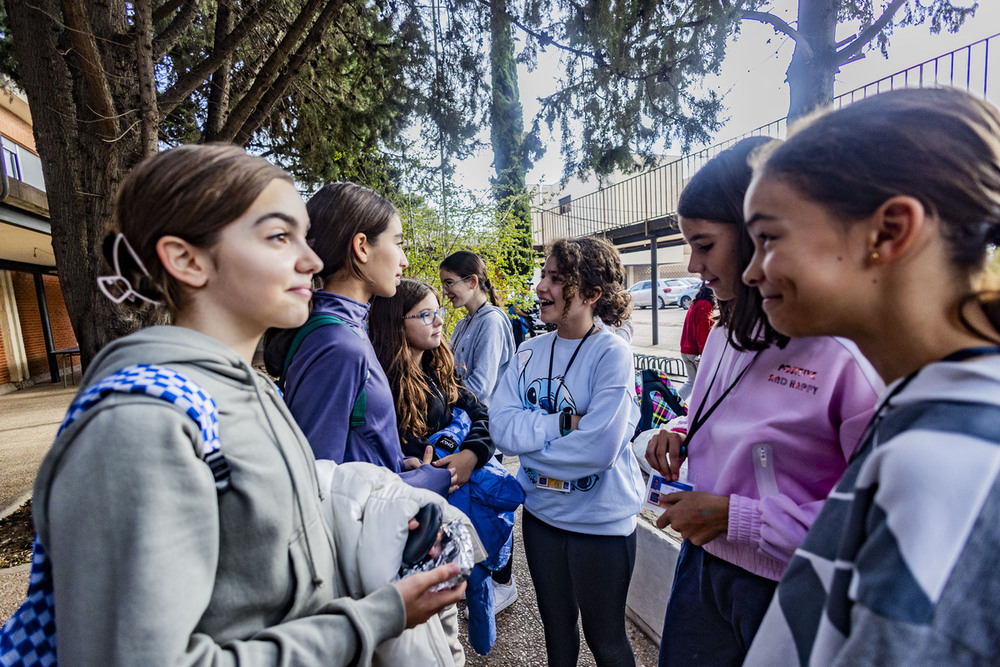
point(567, 408)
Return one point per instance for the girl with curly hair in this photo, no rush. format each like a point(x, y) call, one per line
point(567, 408)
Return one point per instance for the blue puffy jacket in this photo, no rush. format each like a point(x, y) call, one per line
point(489, 499)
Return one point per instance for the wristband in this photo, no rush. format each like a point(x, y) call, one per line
point(565, 423)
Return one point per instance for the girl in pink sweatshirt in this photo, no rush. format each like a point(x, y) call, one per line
point(771, 427)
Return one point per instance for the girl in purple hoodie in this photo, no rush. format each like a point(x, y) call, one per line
point(771, 427)
point(333, 382)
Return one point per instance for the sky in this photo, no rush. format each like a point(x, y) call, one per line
point(752, 80)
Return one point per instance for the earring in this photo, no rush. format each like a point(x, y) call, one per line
point(874, 256)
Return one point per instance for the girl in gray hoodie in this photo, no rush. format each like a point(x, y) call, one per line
point(151, 565)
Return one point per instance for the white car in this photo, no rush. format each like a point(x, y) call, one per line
point(668, 293)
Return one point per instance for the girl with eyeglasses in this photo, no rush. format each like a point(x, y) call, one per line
point(333, 383)
point(406, 333)
point(434, 409)
point(483, 340)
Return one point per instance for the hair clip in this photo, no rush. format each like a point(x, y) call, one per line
point(117, 287)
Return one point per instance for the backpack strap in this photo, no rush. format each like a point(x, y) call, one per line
point(315, 322)
point(28, 637)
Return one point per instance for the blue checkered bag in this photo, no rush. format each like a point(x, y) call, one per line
point(29, 636)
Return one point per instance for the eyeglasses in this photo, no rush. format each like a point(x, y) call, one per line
point(449, 283)
point(428, 316)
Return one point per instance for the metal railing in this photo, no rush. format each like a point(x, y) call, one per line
point(653, 194)
point(669, 365)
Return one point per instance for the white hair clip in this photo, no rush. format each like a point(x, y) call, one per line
point(117, 287)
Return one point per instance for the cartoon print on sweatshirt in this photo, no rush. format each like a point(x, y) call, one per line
point(552, 396)
point(549, 394)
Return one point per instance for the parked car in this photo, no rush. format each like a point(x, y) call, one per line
point(668, 293)
point(687, 297)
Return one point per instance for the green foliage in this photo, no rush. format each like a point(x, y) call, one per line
point(474, 223)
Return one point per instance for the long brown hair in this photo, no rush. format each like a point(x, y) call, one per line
point(191, 192)
point(338, 212)
point(940, 146)
point(406, 377)
point(716, 193)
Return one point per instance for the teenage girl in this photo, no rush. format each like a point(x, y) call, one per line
point(483, 341)
point(874, 222)
point(697, 324)
point(358, 235)
point(567, 408)
point(152, 566)
point(406, 333)
point(771, 426)
point(483, 346)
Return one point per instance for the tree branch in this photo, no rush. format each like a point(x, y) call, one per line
point(92, 68)
point(218, 94)
point(868, 34)
point(169, 36)
point(148, 117)
point(194, 77)
point(166, 9)
point(270, 69)
point(295, 63)
point(780, 26)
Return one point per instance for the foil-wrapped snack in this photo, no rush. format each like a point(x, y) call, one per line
point(454, 546)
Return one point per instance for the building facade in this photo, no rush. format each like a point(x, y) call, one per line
point(35, 330)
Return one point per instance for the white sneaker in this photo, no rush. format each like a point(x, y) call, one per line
point(504, 595)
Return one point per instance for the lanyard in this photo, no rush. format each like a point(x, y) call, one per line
point(700, 420)
point(960, 355)
point(552, 355)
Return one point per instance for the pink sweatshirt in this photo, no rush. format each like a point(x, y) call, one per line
point(779, 442)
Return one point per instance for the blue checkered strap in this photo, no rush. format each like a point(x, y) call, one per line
point(28, 638)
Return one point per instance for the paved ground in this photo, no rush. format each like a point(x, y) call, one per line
point(519, 628)
point(31, 418)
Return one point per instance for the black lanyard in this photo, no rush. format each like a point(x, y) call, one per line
point(960, 355)
point(552, 356)
point(700, 420)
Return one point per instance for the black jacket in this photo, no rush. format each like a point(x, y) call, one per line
point(439, 416)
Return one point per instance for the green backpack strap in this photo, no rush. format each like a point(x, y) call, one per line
point(315, 322)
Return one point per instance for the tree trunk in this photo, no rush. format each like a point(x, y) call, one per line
point(84, 159)
point(813, 68)
point(506, 134)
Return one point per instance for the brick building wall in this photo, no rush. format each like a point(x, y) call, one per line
point(31, 323)
point(4, 371)
point(17, 129)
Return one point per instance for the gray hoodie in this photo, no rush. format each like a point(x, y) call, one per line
point(153, 567)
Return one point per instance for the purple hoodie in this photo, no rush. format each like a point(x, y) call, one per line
point(323, 382)
point(779, 442)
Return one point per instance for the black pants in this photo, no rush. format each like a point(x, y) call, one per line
point(575, 574)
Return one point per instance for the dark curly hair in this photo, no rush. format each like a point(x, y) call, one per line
point(588, 263)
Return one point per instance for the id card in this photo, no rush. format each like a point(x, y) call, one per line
point(552, 484)
point(660, 487)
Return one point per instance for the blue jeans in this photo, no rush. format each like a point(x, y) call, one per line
point(714, 611)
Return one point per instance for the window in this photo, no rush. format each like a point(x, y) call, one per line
point(564, 204)
point(11, 163)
